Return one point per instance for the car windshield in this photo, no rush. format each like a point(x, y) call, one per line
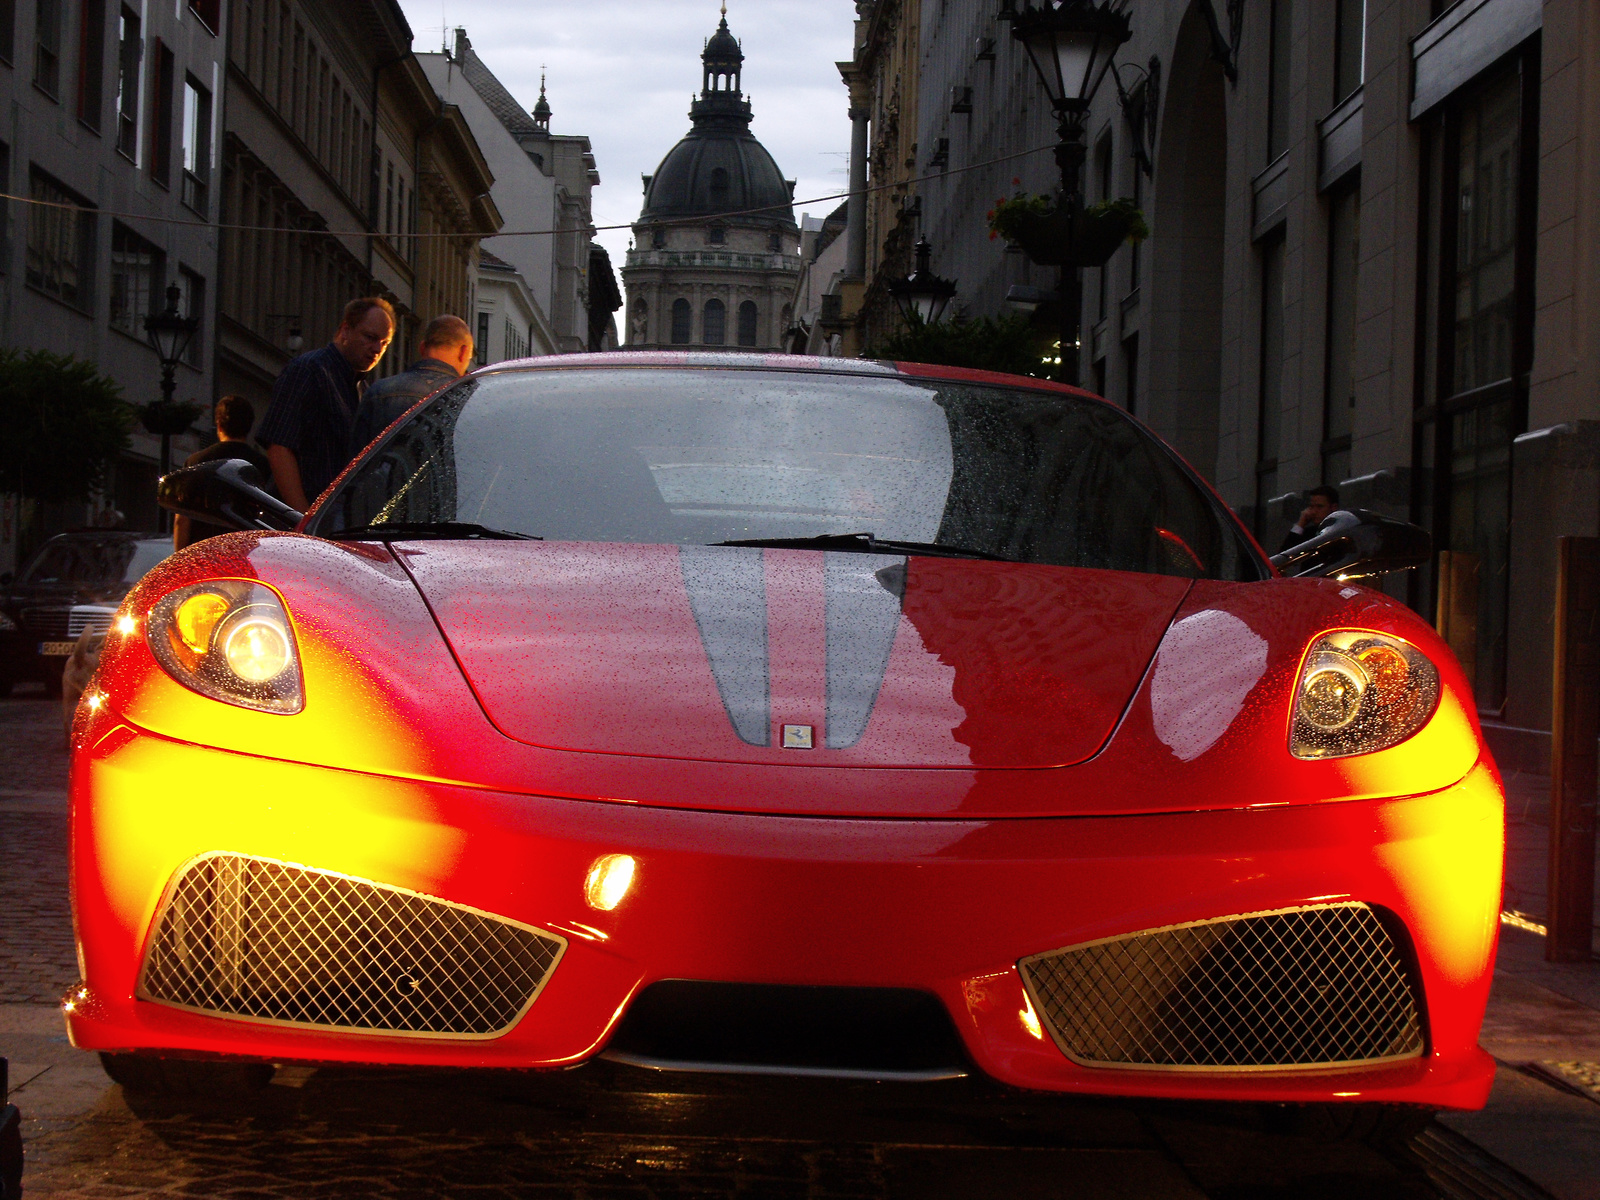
point(95, 561)
point(706, 457)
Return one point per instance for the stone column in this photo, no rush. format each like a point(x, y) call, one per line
point(856, 210)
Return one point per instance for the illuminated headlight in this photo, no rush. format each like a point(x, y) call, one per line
point(1359, 692)
point(231, 640)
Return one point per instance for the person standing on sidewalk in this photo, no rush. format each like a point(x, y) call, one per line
point(234, 416)
point(307, 429)
point(443, 356)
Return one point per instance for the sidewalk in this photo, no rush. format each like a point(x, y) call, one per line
point(1543, 1027)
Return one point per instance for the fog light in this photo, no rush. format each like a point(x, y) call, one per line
point(609, 880)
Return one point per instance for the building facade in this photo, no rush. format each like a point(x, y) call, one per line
point(544, 184)
point(112, 108)
point(351, 176)
point(1373, 244)
point(716, 248)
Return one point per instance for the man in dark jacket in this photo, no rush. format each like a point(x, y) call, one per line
point(234, 416)
point(443, 356)
point(1320, 501)
point(307, 427)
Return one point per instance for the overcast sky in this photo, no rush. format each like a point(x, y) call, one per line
point(623, 73)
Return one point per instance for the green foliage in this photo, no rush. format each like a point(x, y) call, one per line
point(1006, 217)
point(1138, 228)
point(62, 424)
point(1010, 344)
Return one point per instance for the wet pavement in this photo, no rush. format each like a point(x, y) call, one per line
point(607, 1130)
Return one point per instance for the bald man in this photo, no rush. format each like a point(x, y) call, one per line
point(443, 356)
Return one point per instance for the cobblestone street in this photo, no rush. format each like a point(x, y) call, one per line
point(606, 1130)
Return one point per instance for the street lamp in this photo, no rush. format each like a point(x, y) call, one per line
point(170, 334)
point(922, 296)
point(1071, 44)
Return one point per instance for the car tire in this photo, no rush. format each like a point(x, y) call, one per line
point(145, 1073)
point(1378, 1125)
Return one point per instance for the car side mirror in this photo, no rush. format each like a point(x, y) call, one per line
point(1356, 545)
point(227, 492)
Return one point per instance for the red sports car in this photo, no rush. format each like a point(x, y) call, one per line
point(757, 713)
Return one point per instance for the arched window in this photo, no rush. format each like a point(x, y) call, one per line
point(681, 319)
point(717, 235)
point(658, 239)
point(716, 323)
point(747, 323)
point(719, 180)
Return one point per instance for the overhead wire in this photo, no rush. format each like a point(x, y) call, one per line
point(184, 222)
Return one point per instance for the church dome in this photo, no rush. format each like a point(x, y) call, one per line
point(719, 167)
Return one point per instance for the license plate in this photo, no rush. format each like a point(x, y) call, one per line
point(57, 649)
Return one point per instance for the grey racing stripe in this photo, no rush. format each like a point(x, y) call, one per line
point(728, 594)
point(863, 616)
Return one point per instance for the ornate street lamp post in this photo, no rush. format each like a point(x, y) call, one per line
point(170, 334)
point(1071, 44)
point(922, 296)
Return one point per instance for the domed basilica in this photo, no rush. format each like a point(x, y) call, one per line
point(716, 249)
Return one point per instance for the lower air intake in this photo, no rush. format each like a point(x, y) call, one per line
point(249, 937)
point(1322, 985)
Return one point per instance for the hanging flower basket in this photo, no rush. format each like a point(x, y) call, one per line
point(169, 417)
point(1057, 237)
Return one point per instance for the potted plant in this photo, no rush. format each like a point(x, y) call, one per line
point(1061, 234)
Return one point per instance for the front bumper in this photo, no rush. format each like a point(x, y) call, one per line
point(946, 907)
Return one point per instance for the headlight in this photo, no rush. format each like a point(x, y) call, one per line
point(231, 640)
point(1359, 692)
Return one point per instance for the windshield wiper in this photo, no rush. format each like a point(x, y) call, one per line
point(866, 543)
point(383, 530)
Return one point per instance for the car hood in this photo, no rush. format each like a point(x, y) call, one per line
point(702, 652)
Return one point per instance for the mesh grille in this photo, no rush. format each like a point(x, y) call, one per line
point(249, 937)
point(1308, 986)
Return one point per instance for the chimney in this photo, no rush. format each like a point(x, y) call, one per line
point(462, 44)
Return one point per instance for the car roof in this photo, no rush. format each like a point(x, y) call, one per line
point(731, 360)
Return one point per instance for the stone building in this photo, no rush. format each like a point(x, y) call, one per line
point(113, 108)
point(544, 183)
point(339, 150)
point(716, 248)
point(1374, 236)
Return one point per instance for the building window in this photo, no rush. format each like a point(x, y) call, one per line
point(196, 144)
point(129, 47)
point(192, 303)
point(1130, 371)
point(161, 115)
point(775, 241)
point(388, 203)
point(682, 317)
point(5, 209)
point(1349, 47)
point(60, 260)
point(1278, 79)
point(719, 186)
point(747, 323)
point(658, 239)
point(138, 273)
point(1483, 173)
point(1269, 423)
point(717, 235)
point(481, 344)
point(47, 47)
point(1339, 389)
point(91, 62)
point(1102, 171)
point(8, 29)
point(715, 328)
point(209, 12)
